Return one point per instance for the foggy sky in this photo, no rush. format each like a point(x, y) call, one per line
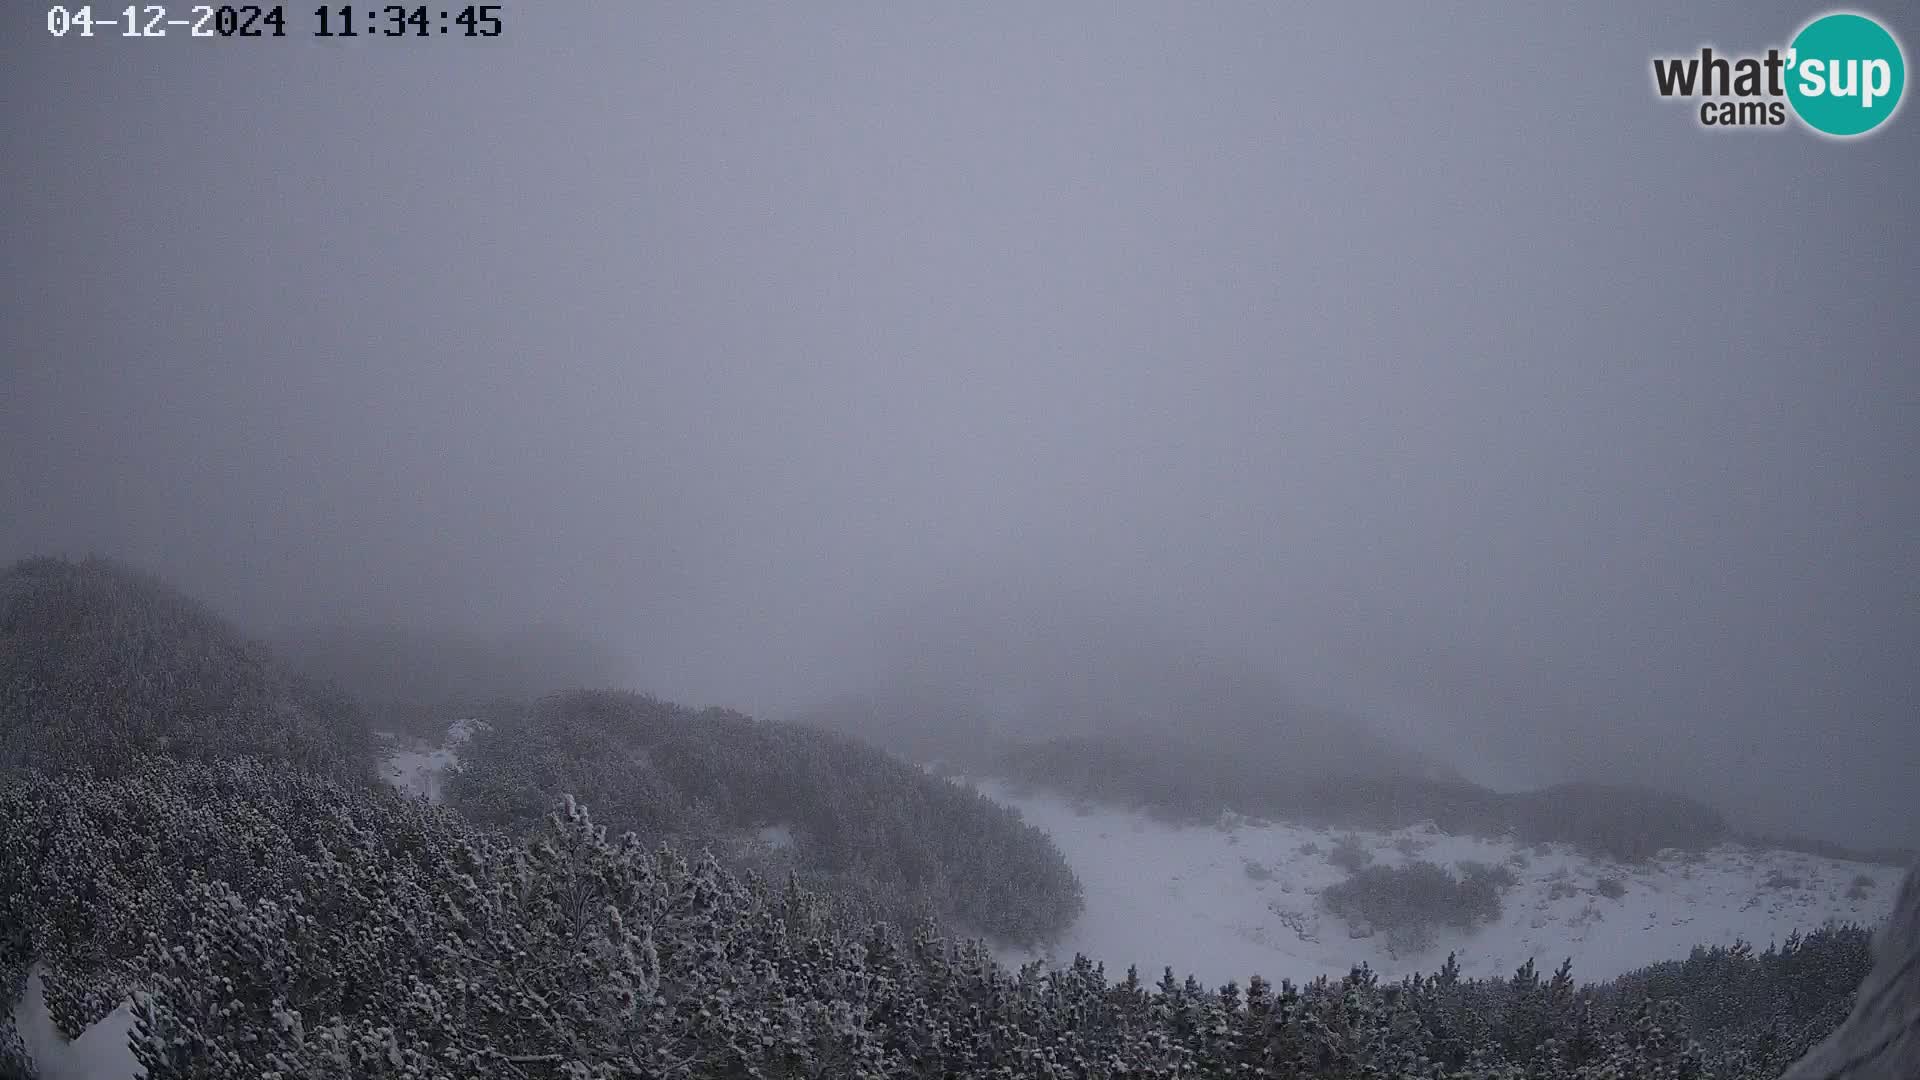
point(1419, 355)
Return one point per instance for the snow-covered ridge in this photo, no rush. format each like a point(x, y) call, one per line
point(1242, 898)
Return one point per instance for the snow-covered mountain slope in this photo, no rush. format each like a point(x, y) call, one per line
point(1241, 898)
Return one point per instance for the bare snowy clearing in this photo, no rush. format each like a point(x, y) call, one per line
point(1242, 897)
point(100, 1053)
point(422, 769)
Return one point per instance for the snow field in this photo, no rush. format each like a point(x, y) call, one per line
point(1239, 898)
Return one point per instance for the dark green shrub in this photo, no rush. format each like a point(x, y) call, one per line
point(1418, 895)
point(1501, 878)
point(1350, 854)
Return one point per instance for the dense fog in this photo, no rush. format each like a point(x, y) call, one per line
point(1413, 372)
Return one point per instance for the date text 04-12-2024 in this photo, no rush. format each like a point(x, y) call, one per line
point(253, 20)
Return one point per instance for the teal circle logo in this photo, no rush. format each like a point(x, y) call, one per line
point(1846, 74)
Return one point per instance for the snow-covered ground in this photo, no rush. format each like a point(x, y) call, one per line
point(1238, 899)
point(421, 769)
point(100, 1053)
point(1228, 901)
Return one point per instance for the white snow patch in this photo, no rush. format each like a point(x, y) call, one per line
point(461, 730)
point(777, 837)
point(422, 771)
point(1191, 898)
point(100, 1053)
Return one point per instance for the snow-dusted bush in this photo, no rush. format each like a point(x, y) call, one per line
point(1500, 877)
point(1415, 897)
point(1350, 854)
point(1861, 887)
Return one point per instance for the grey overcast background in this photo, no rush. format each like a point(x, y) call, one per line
point(1415, 355)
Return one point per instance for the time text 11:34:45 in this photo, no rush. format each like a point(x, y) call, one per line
point(251, 20)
